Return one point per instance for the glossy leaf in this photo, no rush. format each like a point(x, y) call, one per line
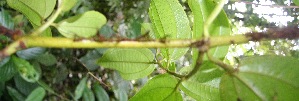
point(31, 53)
point(14, 94)
point(80, 88)
point(7, 69)
point(262, 78)
point(82, 25)
point(6, 19)
point(204, 85)
point(26, 70)
point(160, 88)
point(47, 59)
point(88, 95)
point(68, 4)
point(34, 10)
point(100, 93)
point(37, 94)
point(169, 20)
point(201, 10)
point(130, 63)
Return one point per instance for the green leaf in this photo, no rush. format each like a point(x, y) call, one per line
point(169, 20)
point(100, 93)
point(47, 59)
point(204, 85)
point(160, 88)
point(82, 25)
point(131, 63)
point(296, 2)
point(267, 78)
point(26, 70)
point(7, 69)
point(23, 86)
point(80, 88)
point(6, 19)
point(88, 95)
point(31, 53)
point(201, 10)
point(68, 5)
point(37, 94)
point(15, 95)
point(35, 10)
point(90, 59)
point(46, 87)
point(121, 95)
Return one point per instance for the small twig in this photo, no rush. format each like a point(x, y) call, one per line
point(88, 72)
point(169, 72)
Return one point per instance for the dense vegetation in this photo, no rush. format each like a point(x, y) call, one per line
point(145, 50)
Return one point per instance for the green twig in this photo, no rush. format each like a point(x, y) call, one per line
point(197, 66)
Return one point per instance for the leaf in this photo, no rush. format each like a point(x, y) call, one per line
point(296, 2)
point(6, 19)
point(82, 25)
point(90, 59)
point(31, 53)
point(7, 69)
point(37, 94)
point(121, 95)
point(130, 63)
point(204, 85)
point(68, 4)
point(47, 59)
point(88, 95)
point(23, 86)
point(169, 20)
point(26, 70)
point(201, 10)
point(264, 78)
point(80, 88)
point(160, 88)
point(14, 94)
point(100, 93)
point(35, 10)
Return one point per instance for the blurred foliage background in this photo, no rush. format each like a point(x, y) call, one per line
point(63, 69)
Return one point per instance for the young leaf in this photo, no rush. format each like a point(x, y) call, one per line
point(14, 94)
point(170, 21)
point(37, 94)
point(160, 88)
point(82, 25)
point(68, 5)
point(204, 85)
point(34, 10)
point(264, 78)
point(80, 88)
point(201, 10)
point(7, 69)
point(26, 70)
point(100, 93)
point(88, 95)
point(131, 63)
